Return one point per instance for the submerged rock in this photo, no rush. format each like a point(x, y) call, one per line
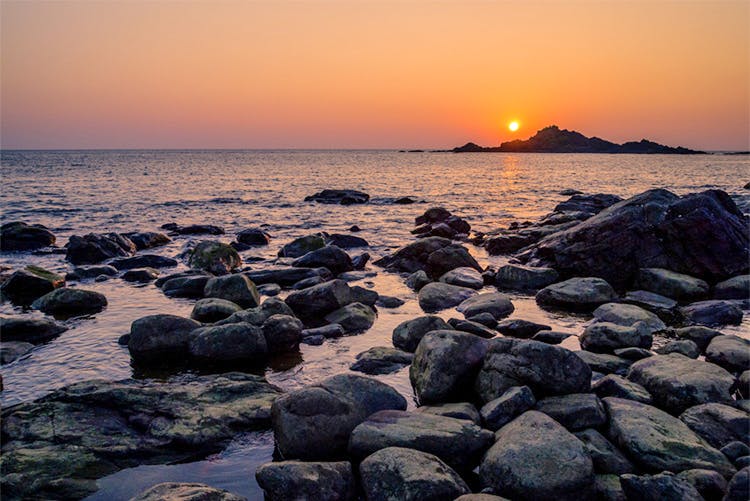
point(26, 285)
point(144, 261)
point(97, 247)
point(193, 229)
point(140, 275)
point(12, 350)
point(66, 302)
point(253, 236)
point(307, 480)
point(28, 329)
point(160, 338)
point(19, 236)
point(343, 197)
point(91, 271)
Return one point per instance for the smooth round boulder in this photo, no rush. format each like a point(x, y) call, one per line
point(417, 280)
point(407, 335)
point(628, 315)
point(24, 286)
point(496, 304)
point(730, 352)
point(712, 313)
point(236, 288)
point(95, 248)
point(381, 360)
point(227, 343)
point(140, 275)
point(330, 256)
point(19, 236)
point(464, 277)
point(67, 302)
point(681, 346)
point(191, 286)
point(282, 332)
point(320, 300)
point(210, 310)
point(179, 491)
point(157, 338)
point(735, 288)
point(576, 294)
point(30, 329)
point(437, 296)
point(286, 480)
point(302, 245)
point(354, 317)
point(449, 258)
point(524, 278)
point(718, 424)
point(253, 236)
point(671, 284)
point(214, 257)
point(519, 328)
point(606, 337)
point(663, 307)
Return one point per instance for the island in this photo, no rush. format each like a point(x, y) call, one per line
point(552, 139)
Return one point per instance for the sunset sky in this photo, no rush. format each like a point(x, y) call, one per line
point(357, 74)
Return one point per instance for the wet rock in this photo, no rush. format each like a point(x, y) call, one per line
point(545, 369)
point(140, 275)
point(409, 475)
point(320, 300)
point(464, 277)
point(663, 307)
point(416, 256)
point(344, 241)
point(364, 296)
point(185, 492)
point(438, 222)
point(330, 257)
point(282, 333)
point(445, 364)
point(551, 337)
point(26, 285)
point(709, 484)
point(354, 228)
point(236, 288)
point(656, 441)
point(661, 487)
point(591, 204)
point(287, 276)
point(502, 410)
point(342, 197)
point(212, 310)
point(524, 278)
point(302, 480)
point(188, 273)
point(28, 329)
point(92, 271)
point(520, 328)
point(449, 258)
point(608, 488)
point(633, 353)
point(159, 338)
point(576, 294)
point(253, 236)
point(535, 458)
point(95, 248)
point(738, 488)
point(736, 449)
point(12, 350)
point(438, 296)
point(315, 340)
point(354, 317)
point(147, 239)
point(143, 261)
point(698, 334)
point(575, 411)
point(302, 245)
point(19, 236)
point(718, 424)
point(612, 385)
point(484, 318)
point(227, 343)
point(458, 442)
point(404, 201)
point(189, 286)
point(308, 282)
point(743, 384)
point(408, 334)
point(734, 288)
point(327, 331)
point(389, 302)
point(457, 410)
point(683, 347)
point(66, 302)
point(603, 363)
point(676, 382)
point(496, 304)
point(269, 289)
point(712, 313)
point(730, 352)
point(359, 262)
point(671, 284)
point(605, 337)
point(417, 280)
point(193, 229)
point(215, 257)
point(315, 422)
point(606, 457)
point(628, 315)
point(381, 360)
point(472, 328)
point(100, 427)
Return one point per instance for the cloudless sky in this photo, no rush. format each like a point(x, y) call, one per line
point(381, 74)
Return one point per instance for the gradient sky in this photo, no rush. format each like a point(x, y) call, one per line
point(132, 74)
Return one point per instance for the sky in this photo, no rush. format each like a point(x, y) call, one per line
point(360, 74)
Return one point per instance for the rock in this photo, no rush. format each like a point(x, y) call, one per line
point(359, 262)
point(33, 330)
point(524, 278)
point(287, 276)
point(663, 307)
point(615, 386)
point(147, 239)
point(735, 449)
point(19, 236)
point(330, 257)
point(408, 334)
point(302, 245)
point(606, 457)
point(734, 288)
point(592, 204)
point(95, 248)
point(536, 458)
point(143, 261)
point(354, 317)
point(550, 337)
point(502, 410)
point(605, 337)
point(496, 304)
point(269, 289)
point(416, 256)
point(343, 197)
point(480, 497)
point(364, 296)
point(545, 369)
point(92, 271)
point(671, 284)
point(215, 257)
point(100, 427)
point(236, 288)
point(457, 410)
point(12, 350)
point(712, 313)
point(404, 201)
point(417, 280)
point(718, 424)
point(608, 488)
point(628, 315)
point(709, 484)
point(683, 347)
point(308, 282)
point(449, 258)
point(381, 360)
point(576, 294)
point(743, 384)
point(603, 363)
point(656, 441)
point(458, 442)
point(656, 229)
point(140, 275)
point(676, 382)
point(661, 487)
point(444, 364)
point(320, 300)
point(738, 488)
point(344, 241)
point(24, 286)
point(193, 229)
point(315, 422)
point(742, 461)
point(389, 302)
point(326, 331)
point(409, 475)
point(698, 334)
point(520, 328)
point(227, 343)
point(485, 318)
point(253, 236)
point(464, 277)
point(438, 296)
point(472, 328)
point(66, 302)
point(301, 480)
point(212, 310)
point(157, 338)
point(575, 411)
point(282, 333)
point(174, 491)
point(633, 353)
point(730, 352)
point(189, 287)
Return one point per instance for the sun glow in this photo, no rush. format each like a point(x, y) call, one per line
point(513, 126)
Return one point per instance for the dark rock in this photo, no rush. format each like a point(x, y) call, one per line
point(457, 410)
point(66, 302)
point(730, 352)
point(551, 337)
point(355, 228)
point(287, 276)
point(628, 315)
point(417, 280)
point(389, 302)
point(472, 328)
point(633, 353)
point(269, 290)
point(735, 449)
point(186, 492)
point(253, 236)
point(671, 284)
point(606, 457)
point(603, 363)
point(301, 480)
point(502, 410)
point(605, 337)
point(709, 484)
point(95, 248)
point(189, 286)
point(449, 258)
point(520, 328)
point(236, 288)
point(212, 310)
point(227, 343)
point(718, 424)
point(92, 271)
point(302, 245)
point(359, 262)
point(282, 333)
point(193, 229)
point(143, 261)
point(343, 197)
point(661, 487)
point(215, 257)
point(463, 277)
point(344, 241)
point(28, 329)
point(308, 282)
point(496, 304)
point(682, 346)
point(315, 340)
point(148, 239)
point(419, 256)
point(162, 280)
point(576, 294)
point(713, 313)
point(738, 488)
point(19, 236)
point(141, 275)
point(331, 257)
point(408, 334)
point(24, 286)
point(12, 350)
point(320, 300)
point(698, 334)
point(575, 411)
point(608, 488)
point(404, 201)
point(592, 204)
point(612, 385)
point(364, 296)
point(733, 288)
point(484, 318)
point(381, 360)
point(437, 296)
point(665, 308)
point(157, 338)
point(326, 331)
point(524, 278)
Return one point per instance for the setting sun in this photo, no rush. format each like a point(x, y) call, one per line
point(513, 126)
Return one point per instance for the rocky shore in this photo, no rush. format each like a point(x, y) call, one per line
point(654, 405)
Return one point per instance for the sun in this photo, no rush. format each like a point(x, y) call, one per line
point(513, 126)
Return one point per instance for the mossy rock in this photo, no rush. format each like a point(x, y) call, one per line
point(215, 257)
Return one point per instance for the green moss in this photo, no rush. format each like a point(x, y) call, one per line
point(57, 280)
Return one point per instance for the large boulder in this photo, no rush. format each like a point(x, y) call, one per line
point(729, 352)
point(628, 315)
point(214, 257)
point(302, 245)
point(576, 411)
point(409, 475)
point(354, 317)
point(496, 304)
point(97, 247)
point(671, 284)
point(381, 360)
point(190, 286)
point(576, 294)
point(66, 302)
point(320, 300)
point(210, 310)
point(656, 229)
point(605, 337)
point(307, 480)
point(534, 457)
point(408, 334)
point(19, 236)
point(156, 338)
point(236, 288)
point(718, 424)
point(656, 441)
point(26, 285)
point(449, 258)
point(227, 343)
point(282, 333)
point(463, 277)
point(734, 288)
point(713, 313)
point(438, 296)
point(544, 368)
point(29, 329)
point(524, 278)
point(330, 257)
point(664, 307)
point(445, 365)
point(677, 382)
point(173, 491)
point(314, 423)
point(606, 457)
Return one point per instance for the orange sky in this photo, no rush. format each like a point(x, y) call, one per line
point(370, 74)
